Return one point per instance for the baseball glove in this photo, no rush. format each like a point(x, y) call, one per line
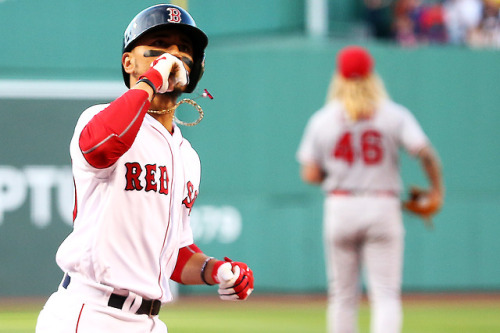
point(423, 204)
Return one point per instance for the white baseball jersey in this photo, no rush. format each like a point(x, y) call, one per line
point(363, 155)
point(132, 217)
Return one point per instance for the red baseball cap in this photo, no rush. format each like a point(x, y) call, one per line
point(354, 62)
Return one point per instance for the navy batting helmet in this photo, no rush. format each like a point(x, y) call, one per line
point(164, 16)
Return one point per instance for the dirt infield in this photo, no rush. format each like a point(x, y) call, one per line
point(409, 299)
point(446, 297)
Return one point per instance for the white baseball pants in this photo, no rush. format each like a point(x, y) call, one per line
point(364, 231)
point(82, 308)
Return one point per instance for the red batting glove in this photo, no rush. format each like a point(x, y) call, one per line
point(236, 287)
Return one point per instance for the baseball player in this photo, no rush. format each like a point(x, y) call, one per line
point(350, 147)
point(136, 180)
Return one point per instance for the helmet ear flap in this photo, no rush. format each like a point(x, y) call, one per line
point(196, 73)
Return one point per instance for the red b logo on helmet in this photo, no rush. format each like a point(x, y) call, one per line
point(174, 15)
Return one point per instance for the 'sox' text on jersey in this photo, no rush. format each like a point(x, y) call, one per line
point(191, 198)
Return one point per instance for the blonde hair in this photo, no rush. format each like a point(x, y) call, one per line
point(360, 96)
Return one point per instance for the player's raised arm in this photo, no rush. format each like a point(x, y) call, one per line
point(112, 131)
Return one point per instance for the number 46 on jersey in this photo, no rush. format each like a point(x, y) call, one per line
point(370, 149)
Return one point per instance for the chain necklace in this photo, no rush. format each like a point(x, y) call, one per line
point(172, 110)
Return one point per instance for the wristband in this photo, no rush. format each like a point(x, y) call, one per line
point(148, 81)
point(203, 267)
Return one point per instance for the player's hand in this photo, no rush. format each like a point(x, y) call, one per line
point(166, 73)
point(235, 280)
point(424, 203)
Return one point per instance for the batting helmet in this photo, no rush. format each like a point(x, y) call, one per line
point(165, 16)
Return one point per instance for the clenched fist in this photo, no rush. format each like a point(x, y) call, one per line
point(166, 73)
point(235, 280)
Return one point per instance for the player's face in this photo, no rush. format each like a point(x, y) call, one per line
point(151, 46)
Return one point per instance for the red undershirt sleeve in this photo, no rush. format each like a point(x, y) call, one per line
point(185, 253)
point(111, 132)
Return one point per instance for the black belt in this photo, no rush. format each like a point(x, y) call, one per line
point(148, 307)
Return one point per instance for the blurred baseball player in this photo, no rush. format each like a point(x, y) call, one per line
point(136, 180)
point(350, 147)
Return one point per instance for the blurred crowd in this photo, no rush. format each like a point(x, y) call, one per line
point(474, 23)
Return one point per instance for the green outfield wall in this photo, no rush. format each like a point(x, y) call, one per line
point(252, 205)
